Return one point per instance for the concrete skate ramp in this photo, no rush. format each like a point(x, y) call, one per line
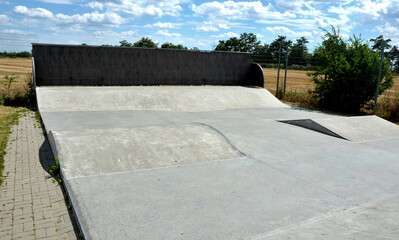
point(214, 162)
point(124, 150)
point(166, 98)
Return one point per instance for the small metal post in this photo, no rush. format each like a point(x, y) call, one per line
point(286, 65)
point(278, 72)
point(379, 74)
point(34, 72)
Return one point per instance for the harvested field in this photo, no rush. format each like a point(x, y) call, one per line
point(20, 67)
point(17, 66)
point(297, 80)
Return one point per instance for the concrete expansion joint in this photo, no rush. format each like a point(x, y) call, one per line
point(295, 177)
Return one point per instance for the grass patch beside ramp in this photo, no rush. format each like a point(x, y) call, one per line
point(8, 117)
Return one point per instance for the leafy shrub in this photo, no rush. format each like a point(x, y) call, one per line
point(348, 73)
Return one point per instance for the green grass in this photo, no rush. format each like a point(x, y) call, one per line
point(8, 117)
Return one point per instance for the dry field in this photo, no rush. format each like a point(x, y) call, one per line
point(297, 80)
point(20, 67)
point(17, 66)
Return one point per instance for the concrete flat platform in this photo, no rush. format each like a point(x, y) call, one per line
point(217, 163)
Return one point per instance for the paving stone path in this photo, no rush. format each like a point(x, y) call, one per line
point(32, 203)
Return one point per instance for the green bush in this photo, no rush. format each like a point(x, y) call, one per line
point(348, 74)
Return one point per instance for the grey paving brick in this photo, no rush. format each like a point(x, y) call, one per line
point(32, 205)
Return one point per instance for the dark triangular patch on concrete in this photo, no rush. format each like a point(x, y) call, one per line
point(311, 125)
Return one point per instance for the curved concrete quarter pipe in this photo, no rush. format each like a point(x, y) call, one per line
point(168, 144)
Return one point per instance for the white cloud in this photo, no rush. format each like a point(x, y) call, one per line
point(33, 12)
point(57, 1)
point(140, 8)
point(342, 21)
point(103, 33)
point(129, 33)
point(223, 26)
point(207, 28)
point(167, 33)
point(258, 35)
point(210, 26)
point(299, 7)
point(226, 35)
point(239, 10)
point(4, 20)
point(368, 11)
point(280, 30)
point(93, 18)
point(388, 30)
point(96, 5)
point(164, 25)
point(15, 31)
point(395, 41)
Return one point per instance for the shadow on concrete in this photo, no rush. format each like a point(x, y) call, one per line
point(47, 160)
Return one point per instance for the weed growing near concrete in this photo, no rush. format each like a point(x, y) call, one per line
point(56, 171)
point(6, 83)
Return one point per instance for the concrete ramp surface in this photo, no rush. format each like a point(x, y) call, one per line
point(218, 162)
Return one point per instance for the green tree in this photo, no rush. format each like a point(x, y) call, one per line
point(348, 73)
point(145, 42)
point(173, 46)
point(299, 51)
point(261, 49)
point(246, 43)
point(125, 43)
point(275, 45)
point(377, 43)
point(231, 45)
point(249, 42)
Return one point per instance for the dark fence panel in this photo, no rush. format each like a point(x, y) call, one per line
point(115, 66)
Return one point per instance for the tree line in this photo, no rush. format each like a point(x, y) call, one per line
point(146, 42)
point(298, 52)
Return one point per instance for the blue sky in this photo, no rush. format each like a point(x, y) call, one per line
point(192, 23)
